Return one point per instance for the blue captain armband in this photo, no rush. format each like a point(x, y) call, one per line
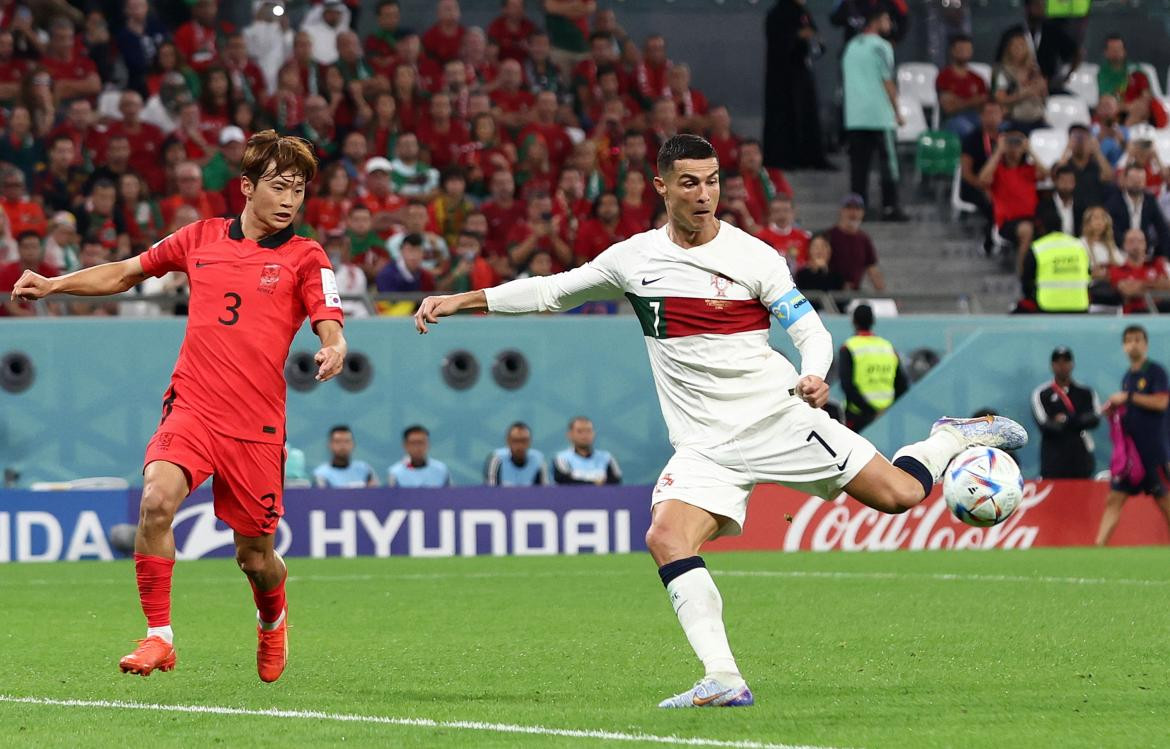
point(790, 308)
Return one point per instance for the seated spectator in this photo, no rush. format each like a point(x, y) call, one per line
point(386, 206)
point(540, 231)
point(1011, 175)
point(570, 202)
point(503, 212)
point(1061, 212)
point(449, 210)
point(417, 470)
point(511, 103)
point(342, 471)
point(63, 243)
point(511, 30)
point(1017, 82)
point(586, 74)
point(195, 133)
point(818, 274)
point(544, 124)
point(24, 213)
point(147, 139)
point(327, 210)
point(1139, 105)
point(270, 40)
point(470, 270)
point(247, 79)
point(762, 183)
point(691, 105)
point(31, 257)
point(581, 462)
point(663, 125)
point(411, 177)
point(1055, 275)
point(99, 219)
point(637, 209)
point(1108, 129)
point(1140, 151)
point(406, 273)
point(600, 232)
point(73, 73)
point(60, 183)
point(81, 125)
point(534, 170)
point(1113, 74)
point(720, 136)
point(380, 45)
point(1091, 169)
point(367, 249)
point(782, 233)
point(93, 253)
point(190, 181)
point(1134, 207)
point(443, 40)
point(1140, 274)
point(19, 146)
point(976, 149)
point(518, 463)
point(442, 134)
point(115, 165)
point(417, 221)
point(631, 157)
point(322, 24)
point(13, 69)
point(319, 127)
point(1097, 236)
point(650, 74)
point(485, 154)
point(733, 201)
point(540, 71)
point(961, 91)
point(853, 254)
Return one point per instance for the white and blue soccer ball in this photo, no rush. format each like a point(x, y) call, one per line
point(983, 486)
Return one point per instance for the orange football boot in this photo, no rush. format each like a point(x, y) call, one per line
point(272, 650)
point(151, 653)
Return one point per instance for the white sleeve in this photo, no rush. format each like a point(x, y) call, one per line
point(595, 280)
point(798, 318)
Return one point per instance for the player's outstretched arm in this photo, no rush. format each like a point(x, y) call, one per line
point(434, 307)
point(331, 357)
point(100, 280)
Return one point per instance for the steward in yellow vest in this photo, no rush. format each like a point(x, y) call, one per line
point(1056, 274)
point(871, 374)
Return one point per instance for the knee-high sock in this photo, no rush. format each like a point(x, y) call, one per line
point(699, 608)
point(933, 453)
point(154, 591)
point(270, 604)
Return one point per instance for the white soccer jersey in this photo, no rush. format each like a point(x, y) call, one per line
point(705, 312)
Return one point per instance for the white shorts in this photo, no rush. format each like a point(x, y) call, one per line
point(800, 447)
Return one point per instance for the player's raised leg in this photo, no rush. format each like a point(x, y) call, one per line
point(266, 572)
point(676, 533)
point(164, 489)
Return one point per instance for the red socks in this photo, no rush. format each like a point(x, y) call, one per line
point(154, 588)
point(270, 603)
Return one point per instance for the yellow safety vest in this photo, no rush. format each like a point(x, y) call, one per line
point(1068, 8)
point(1062, 273)
point(875, 365)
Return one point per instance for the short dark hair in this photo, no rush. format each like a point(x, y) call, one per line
point(1064, 169)
point(683, 146)
point(340, 428)
point(384, 3)
point(26, 234)
point(863, 317)
point(414, 429)
point(751, 142)
point(1135, 329)
point(518, 425)
point(1113, 37)
point(956, 38)
point(600, 35)
point(732, 174)
point(359, 207)
point(413, 239)
point(573, 421)
point(269, 153)
point(452, 172)
point(473, 234)
point(633, 134)
point(602, 196)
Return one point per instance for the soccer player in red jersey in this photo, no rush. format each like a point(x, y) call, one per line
point(253, 282)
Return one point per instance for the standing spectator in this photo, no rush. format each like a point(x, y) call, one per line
point(327, 210)
point(782, 233)
point(342, 471)
point(323, 23)
point(470, 270)
point(650, 74)
point(1140, 407)
point(511, 31)
point(871, 112)
point(270, 40)
point(450, 209)
point(792, 124)
point(503, 212)
point(1134, 207)
point(30, 256)
point(138, 42)
point(406, 273)
point(1055, 274)
point(199, 39)
point(1113, 74)
point(443, 40)
point(1061, 212)
point(385, 205)
point(540, 71)
point(961, 91)
point(223, 169)
point(411, 177)
point(871, 373)
point(1140, 273)
point(1065, 411)
point(1091, 170)
point(191, 192)
point(518, 463)
point(247, 79)
point(367, 249)
point(381, 43)
point(818, 274)
point(726, 142)
point(581, 462)
point(600, 232)
point(1057, 52)
point(544, 124)
point(853, 255)
point(1011, 176)
point(418, 470)
point(1017, 82)
point(690, 104)
point(443, 135)
point(24, 213)
point(416, 222)
point(73, 74)
point(146, 155)
point(541, 231)
point(762, 183)
point(19, 146)
point(567, 22)
point(59, 183)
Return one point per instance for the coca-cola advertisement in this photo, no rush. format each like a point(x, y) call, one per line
point(1053, 513)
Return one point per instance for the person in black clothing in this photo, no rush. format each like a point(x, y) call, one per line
point(976, 149)
point(1054, 43)
point(817, 275)
point(1065, 411)
point(792, 124)
point(850, 16)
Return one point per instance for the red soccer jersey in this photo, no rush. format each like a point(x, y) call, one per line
point(1148, 272)
point(445, 145)
point(593, 238)
point(441, 46)
point(75, 68)
point(511, 41)
point(792, 244)
point(963, 86)
point(556, 139)
point(1013, 192)
point(248, 300)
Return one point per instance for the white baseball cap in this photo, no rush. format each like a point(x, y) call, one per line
point(231, 134)
point(379, 164)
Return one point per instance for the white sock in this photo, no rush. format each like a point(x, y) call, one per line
point(164, 632)
point(269, 626)
point(699, 608)
point(934, 452)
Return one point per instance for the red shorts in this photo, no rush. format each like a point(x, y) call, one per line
point(248, 488)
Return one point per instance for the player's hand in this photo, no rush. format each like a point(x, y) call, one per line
point(329, 362)
point(432, 308)
point(813, 390)
point(31, 286)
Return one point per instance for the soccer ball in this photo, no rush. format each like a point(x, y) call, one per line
point(983, 486)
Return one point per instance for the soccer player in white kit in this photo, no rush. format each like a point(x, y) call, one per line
point(737, 411)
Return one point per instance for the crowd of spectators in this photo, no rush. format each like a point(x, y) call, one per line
point(516, 463)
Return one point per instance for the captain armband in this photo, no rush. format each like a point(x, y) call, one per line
point(790, 308)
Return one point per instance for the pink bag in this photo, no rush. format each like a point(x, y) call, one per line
point(1125, 463)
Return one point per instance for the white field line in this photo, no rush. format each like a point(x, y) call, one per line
point(459, 725)
point(794, 574)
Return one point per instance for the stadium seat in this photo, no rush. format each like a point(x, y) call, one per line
point(1082, 82)
point(937, 154)
point(1063, 111)
point(916, 81)
point(959, 207)
point(1048, 143)
point(108, 104)
point(915, 119)
point(981, 69)
point(1155, 81)
point(1162, 145)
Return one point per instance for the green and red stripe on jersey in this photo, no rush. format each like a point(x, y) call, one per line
point(676, 316)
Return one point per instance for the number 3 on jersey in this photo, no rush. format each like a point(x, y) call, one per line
point(233, 308)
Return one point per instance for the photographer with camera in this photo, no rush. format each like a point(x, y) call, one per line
point(1011, 176)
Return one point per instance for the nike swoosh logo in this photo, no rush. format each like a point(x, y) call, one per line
point(200, 263)
point(655, 280)
point(701, 701)
point(841, 465)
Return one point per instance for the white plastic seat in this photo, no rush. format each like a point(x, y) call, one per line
point(1048, 143)
point(959, 206)
point(1155, 81)
point(108, 105)
point(916, 80)
point(914, 120)
point(1082, 82)
point(983, 70)
point(1062, 111)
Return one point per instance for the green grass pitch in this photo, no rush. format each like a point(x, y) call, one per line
point(1038, 648)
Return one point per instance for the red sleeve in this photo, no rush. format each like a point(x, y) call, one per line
point(781, 182)
point(170, 253)
point(318, 286)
